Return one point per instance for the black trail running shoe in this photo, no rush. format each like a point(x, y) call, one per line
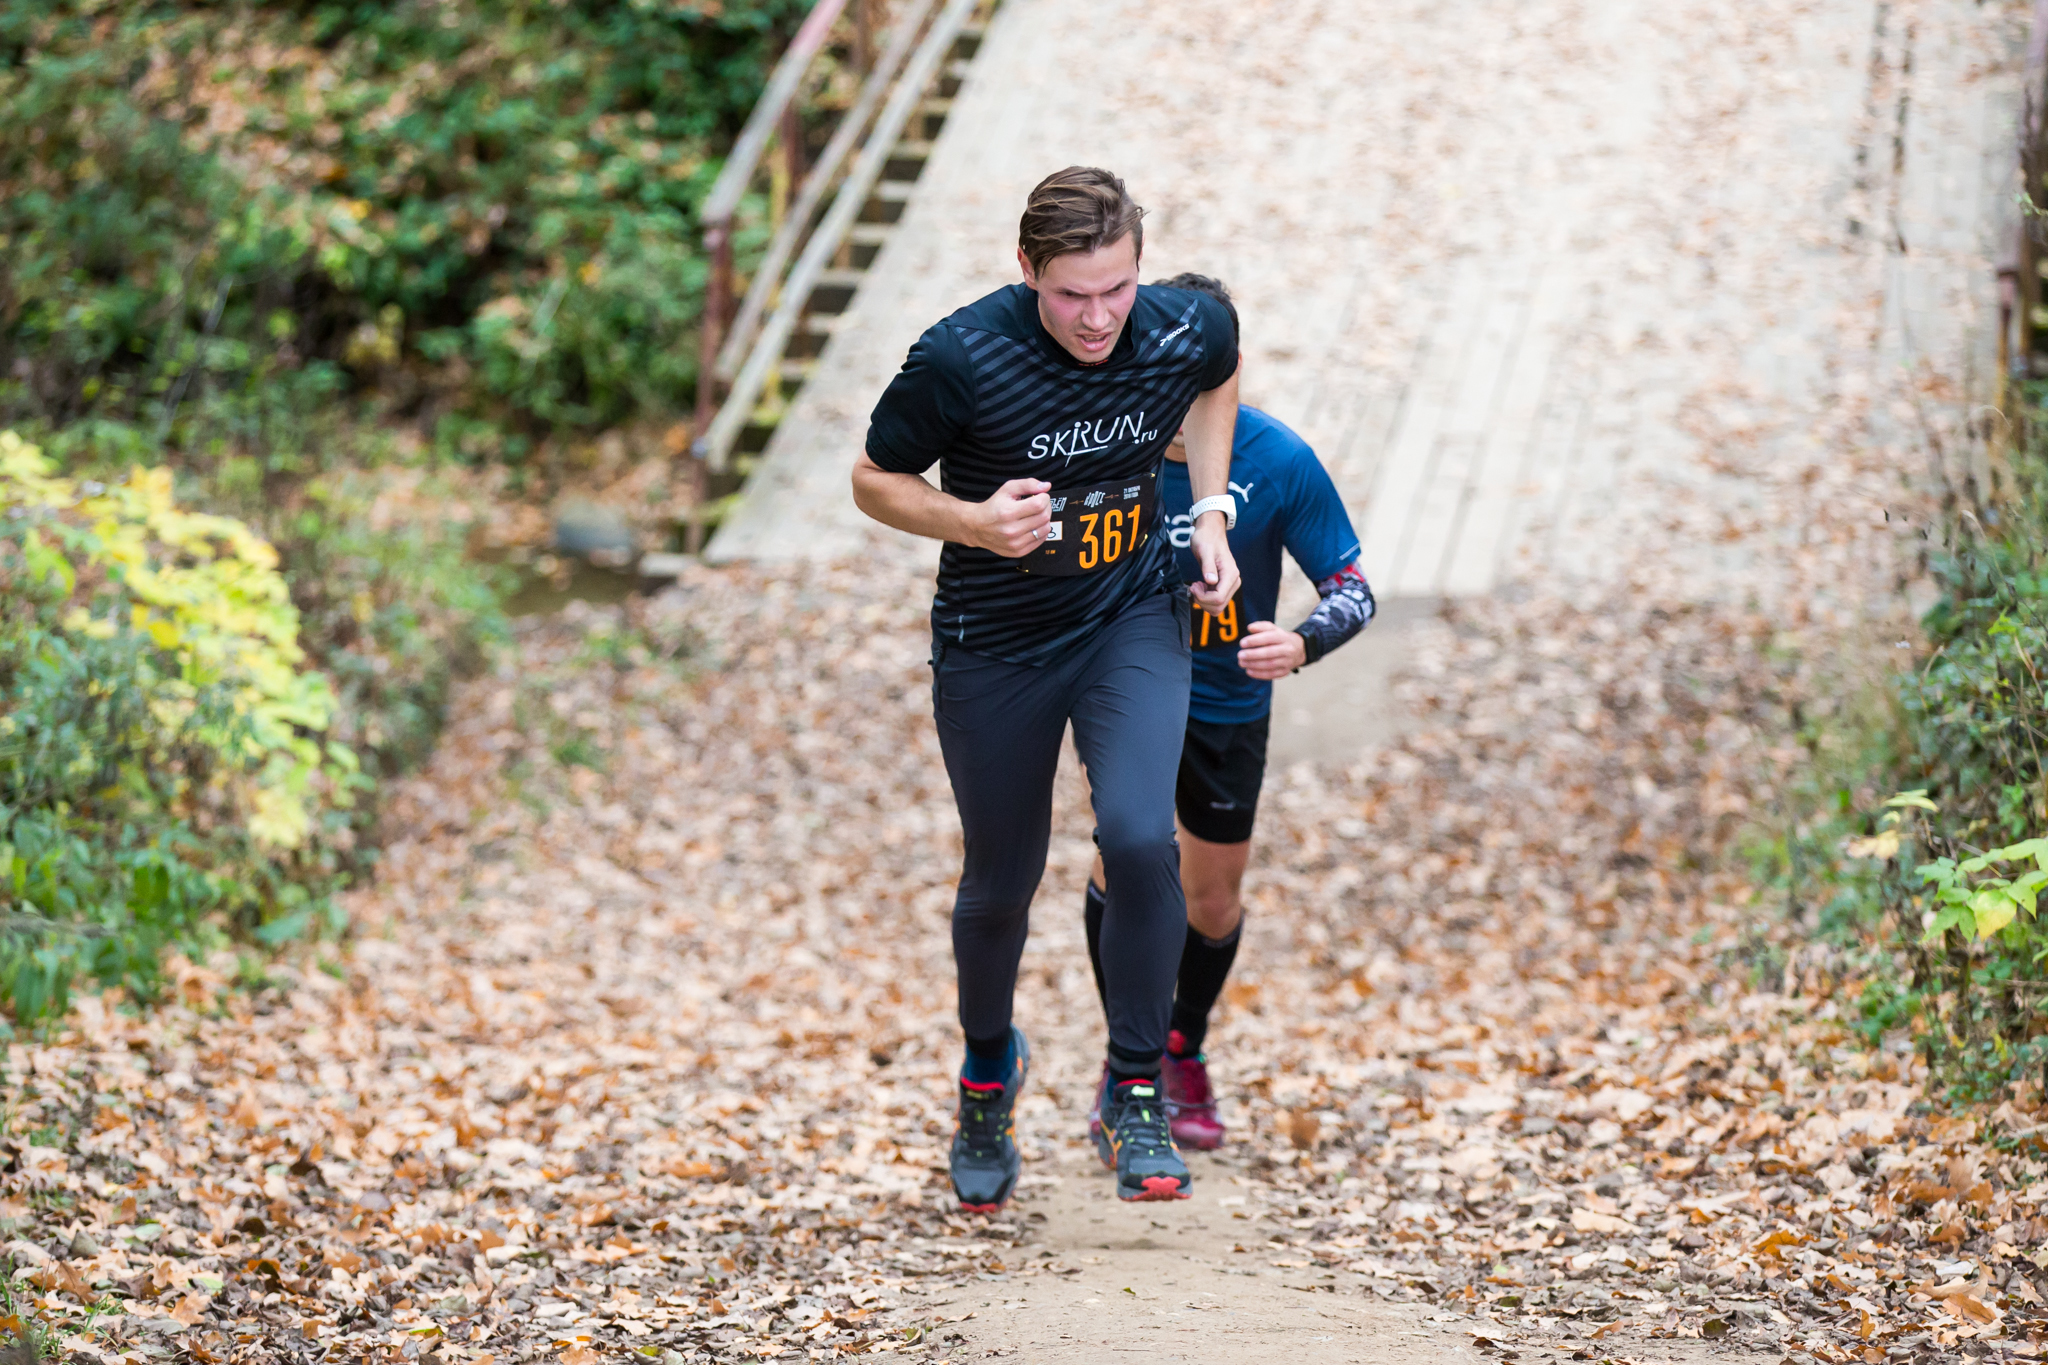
point(1137, 1144)
point(986, 1162)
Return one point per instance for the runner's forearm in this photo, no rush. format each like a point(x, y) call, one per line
point(1209, 426)
point(1347, 608)
point(909, 503)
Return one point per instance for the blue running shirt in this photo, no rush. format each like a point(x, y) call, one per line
point(1284, 499)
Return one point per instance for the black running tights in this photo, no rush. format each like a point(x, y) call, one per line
point(1000, 726)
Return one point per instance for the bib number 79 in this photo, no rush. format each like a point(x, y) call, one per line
point(1219, 631)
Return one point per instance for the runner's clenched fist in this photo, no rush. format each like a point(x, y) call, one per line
point(1012, 522)
point(1270, 652)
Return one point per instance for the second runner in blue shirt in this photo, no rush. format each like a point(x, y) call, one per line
point(1285, 501)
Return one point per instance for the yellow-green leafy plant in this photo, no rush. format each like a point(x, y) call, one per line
point(164, 765)
point(206, 591)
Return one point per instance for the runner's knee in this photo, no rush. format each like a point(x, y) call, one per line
point(1133, 837)
point(999, 891)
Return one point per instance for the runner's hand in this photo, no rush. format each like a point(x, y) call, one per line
point(1012, 522)
point(1219, 568)
point(1269, 652)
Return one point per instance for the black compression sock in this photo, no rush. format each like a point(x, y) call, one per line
point(1094, 902)
point(1204, 964)
point(988, 1060)
point(1125, 1067)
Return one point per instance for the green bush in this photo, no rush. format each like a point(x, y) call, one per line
point(165, 771)
point(1979, 709)
point(215, 219)
point(1923, 885)
point(284, 258)
point(392, 610)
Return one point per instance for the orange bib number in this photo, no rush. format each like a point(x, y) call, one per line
point(1094, 528)
point(1219, 632)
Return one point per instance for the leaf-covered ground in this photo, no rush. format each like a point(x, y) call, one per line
point(646, 1043)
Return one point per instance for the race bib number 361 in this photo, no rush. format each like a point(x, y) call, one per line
point(1095, 528)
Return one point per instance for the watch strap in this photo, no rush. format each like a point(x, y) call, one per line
point(1219, 502)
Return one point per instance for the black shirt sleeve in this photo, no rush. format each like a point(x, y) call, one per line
point(1219, 343)
point(926, 406)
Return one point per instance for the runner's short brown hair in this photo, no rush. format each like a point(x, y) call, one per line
point(1079, 209)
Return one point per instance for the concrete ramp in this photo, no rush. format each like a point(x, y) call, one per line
point(1533, 279)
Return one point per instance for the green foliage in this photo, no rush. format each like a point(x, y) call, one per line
point(1973, 993)
point(1977, 902)
point(392, 609)
point(205, 590)
point(1940, 884)
point(1979, 711)
point(215, 218)
point(164, 767)
point(285, 260)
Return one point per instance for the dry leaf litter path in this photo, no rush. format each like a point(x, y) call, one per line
point(645, 1044)
point(648, 1041)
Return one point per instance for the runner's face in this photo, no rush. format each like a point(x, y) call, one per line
point(1083, 298)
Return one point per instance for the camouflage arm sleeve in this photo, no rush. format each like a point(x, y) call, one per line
point(1347, 608)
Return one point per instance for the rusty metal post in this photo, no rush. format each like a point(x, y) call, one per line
point(2034, 180)
point(863, 36)
point(717, 314)
point(2008, 326)
point(791, 136)
point(711, 335)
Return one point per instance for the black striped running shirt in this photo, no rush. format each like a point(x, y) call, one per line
point(989, 396)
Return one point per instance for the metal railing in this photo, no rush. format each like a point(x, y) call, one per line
point(2023, 312)
point(740, 347)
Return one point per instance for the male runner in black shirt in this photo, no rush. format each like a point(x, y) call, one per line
point(1048, 407)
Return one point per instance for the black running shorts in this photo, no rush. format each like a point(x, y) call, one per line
point(1221, 769)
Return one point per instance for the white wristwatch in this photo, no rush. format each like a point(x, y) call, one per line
point(1223, 503)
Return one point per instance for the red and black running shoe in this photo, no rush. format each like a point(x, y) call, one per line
point(1190, 1103)
point(985, 1161)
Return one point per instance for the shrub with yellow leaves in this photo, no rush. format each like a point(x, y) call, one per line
point(163, 749)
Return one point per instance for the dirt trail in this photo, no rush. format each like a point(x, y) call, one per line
point(647, 1044)
point(1175, 1283)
